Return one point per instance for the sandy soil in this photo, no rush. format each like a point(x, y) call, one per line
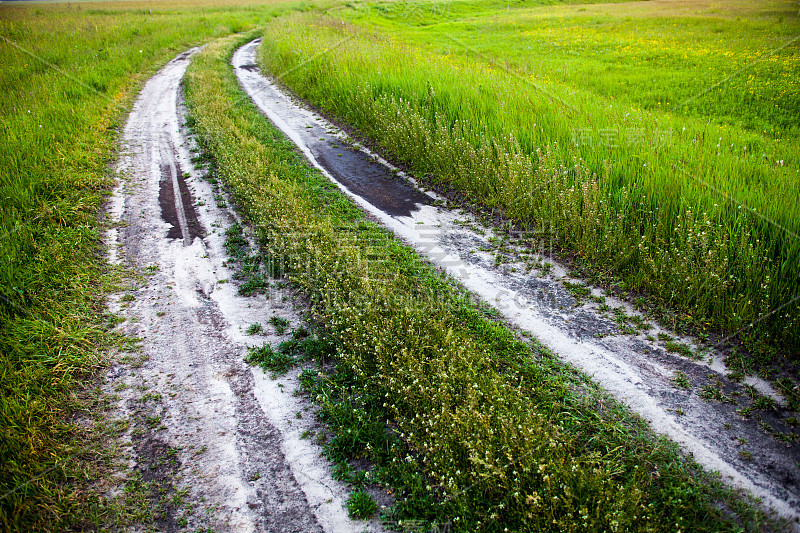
point(217, 442)
point(635, 369)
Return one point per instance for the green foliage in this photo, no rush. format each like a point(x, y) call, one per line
point(276, 361)
point(627, 136)
point(255, 329)
point(360, 505)
point(681, 380)
point(279, 323)
point(680, 348)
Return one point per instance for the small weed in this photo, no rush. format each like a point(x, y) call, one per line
point(710, 392)
point(577, 290)
point(277, 362)
point(735, 377)
point(763, 403)
point(254, 329)
point(681, 380)
point(680, 349)
point(744, 454)
point(256, 284)
point(280, 324)
point(360, 505)
point(787, 438)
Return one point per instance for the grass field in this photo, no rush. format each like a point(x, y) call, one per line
point(468, 92)
point(494, 432)
point(70, 72)
point(660, 140)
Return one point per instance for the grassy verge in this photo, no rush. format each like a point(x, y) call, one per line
point(604, 122)
point(69, 73)
point(505, 435)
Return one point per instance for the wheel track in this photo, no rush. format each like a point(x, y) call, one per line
point(201, 420)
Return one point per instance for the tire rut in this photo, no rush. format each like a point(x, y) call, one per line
point(208, 435)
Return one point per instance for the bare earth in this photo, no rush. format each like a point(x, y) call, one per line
point(216, 442)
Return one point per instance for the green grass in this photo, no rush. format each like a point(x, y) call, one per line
point(277, 361)
point(280, 324)
point(360, 505)
point(680, 349)
point(499, 433)
point(69, 74)
point(613, 124)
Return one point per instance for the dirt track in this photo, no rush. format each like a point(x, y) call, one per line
point(218, 440)
point(630, 366)
point(224, 440)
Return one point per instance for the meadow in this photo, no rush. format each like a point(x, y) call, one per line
point(659, 140)
point(493, 98)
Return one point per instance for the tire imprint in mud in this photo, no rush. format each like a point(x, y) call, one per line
point(176, 209)
point(214, 442)
point(631, 367)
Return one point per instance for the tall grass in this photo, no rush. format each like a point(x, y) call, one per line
point(69, 72)
point(698, 212)
point(507, 437)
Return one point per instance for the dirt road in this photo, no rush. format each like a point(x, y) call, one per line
point(635, 367)
point(212, 442)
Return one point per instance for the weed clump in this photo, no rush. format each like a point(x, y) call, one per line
point(360, 505)
point(276, 361)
